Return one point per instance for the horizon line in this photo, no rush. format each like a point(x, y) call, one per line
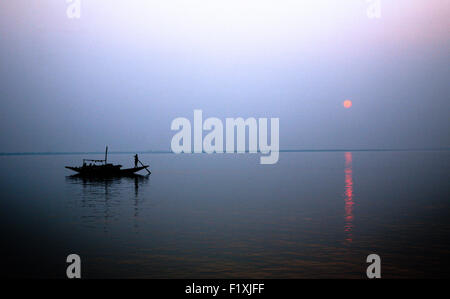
point(281, 151)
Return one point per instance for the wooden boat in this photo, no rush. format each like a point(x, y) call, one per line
point(101, 168)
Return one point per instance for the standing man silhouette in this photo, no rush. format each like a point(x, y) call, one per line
point(136, 160)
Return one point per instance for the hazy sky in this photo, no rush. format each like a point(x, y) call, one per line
point(122, 72)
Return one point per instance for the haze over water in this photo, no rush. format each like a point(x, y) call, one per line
point(124, 70)
point(121, 73)
point(311, 215)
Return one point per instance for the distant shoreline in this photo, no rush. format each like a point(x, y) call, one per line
point(281, 151)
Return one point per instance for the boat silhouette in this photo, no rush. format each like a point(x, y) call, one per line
point(101, 168)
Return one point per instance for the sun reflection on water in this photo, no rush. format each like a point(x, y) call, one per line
point(348, 197)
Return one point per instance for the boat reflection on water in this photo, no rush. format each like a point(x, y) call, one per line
point(348, 197)
point(105, 199)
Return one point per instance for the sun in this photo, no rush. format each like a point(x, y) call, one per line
point(347, 104)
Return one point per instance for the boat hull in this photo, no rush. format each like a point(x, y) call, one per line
point(101, 171)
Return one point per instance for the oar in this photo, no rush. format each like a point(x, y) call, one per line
point(144, 167)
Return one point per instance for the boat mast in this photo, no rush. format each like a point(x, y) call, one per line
point(106, 154)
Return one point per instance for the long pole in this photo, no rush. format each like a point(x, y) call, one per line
point(106, 154)
point(145, 167)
